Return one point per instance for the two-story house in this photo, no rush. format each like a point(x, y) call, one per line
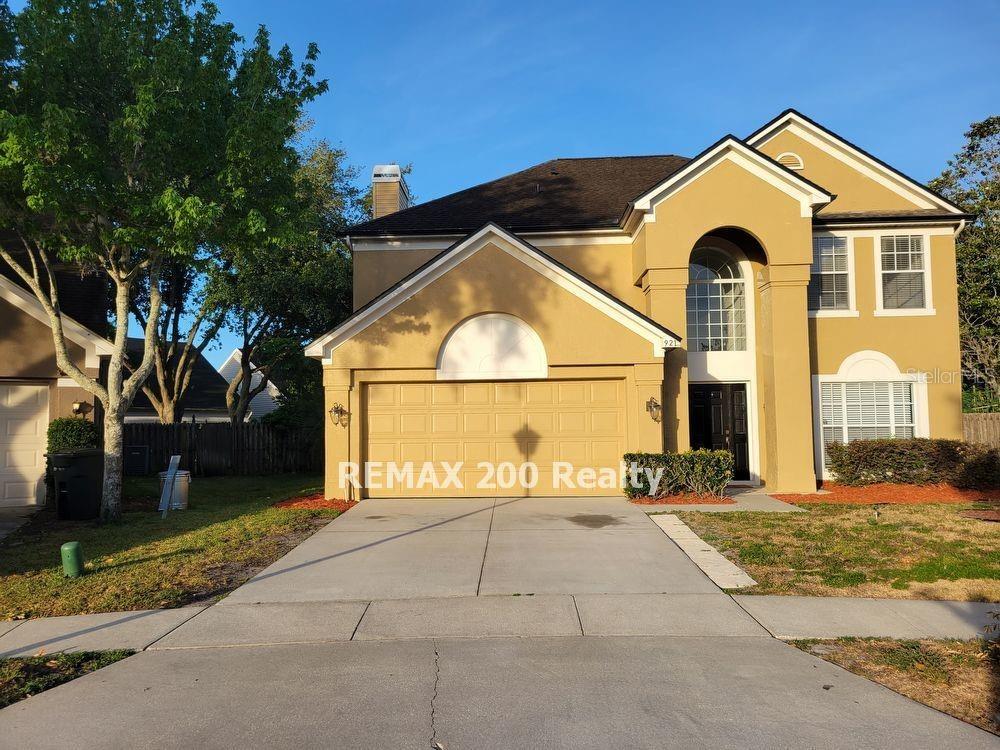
point(768, 296)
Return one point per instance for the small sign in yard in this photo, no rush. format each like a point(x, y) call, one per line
point(168, 485)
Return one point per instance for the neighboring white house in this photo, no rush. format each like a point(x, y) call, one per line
point(264, 402)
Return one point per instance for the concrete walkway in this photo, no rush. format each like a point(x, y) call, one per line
point(792, 617)
point(688, 615)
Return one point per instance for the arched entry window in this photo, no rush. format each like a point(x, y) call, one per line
point(716, 303)
point(493, 346)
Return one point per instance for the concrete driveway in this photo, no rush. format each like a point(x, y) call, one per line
point(389, 628)
point(411, 549)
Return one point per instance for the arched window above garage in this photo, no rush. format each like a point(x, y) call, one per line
point(492, 346)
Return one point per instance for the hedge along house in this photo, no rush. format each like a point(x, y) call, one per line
point(768, 296)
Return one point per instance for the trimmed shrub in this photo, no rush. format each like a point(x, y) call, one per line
point(915, 461)
point(702, 472)
point(71, 434)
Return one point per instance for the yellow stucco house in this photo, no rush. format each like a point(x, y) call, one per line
point(770, 295)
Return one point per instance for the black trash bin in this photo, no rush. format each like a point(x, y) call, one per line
point(78, 480)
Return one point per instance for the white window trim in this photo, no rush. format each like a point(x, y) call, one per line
point(868, 367)
point(928, 308)
point(852, 304)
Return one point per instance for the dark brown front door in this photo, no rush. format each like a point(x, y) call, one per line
point(718, 418)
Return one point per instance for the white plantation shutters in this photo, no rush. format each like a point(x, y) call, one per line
point(828, 279)
point(903, 269)
point(866, 411)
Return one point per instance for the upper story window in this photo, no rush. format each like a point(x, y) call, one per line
point(716, 303)
point(903, 282)
point(830, 275)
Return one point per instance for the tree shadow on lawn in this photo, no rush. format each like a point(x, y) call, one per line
point(35, 546)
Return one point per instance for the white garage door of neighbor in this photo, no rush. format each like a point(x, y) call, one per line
point(24, 417)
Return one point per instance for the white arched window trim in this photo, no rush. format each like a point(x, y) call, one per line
point(492, 346)
point(791, 160)
point(869, 366)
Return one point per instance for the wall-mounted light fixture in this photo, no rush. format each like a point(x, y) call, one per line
point(339, 414)
point(654, 409)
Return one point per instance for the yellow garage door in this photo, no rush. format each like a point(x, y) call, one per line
point(497, 432)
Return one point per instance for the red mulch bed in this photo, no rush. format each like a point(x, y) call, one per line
point(893, 494)
point(316, 502)
point(686, 498)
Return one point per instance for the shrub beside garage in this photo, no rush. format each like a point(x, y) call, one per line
point(700, 472)
point(915, 461)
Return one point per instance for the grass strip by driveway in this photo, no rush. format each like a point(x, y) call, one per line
point(24, 677)
point(230, 531)
point(960, 678)
point(907, 551)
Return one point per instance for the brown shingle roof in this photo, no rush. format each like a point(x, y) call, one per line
point(889, 215)
point(554, 195)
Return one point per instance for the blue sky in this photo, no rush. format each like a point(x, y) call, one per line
point(470, 91)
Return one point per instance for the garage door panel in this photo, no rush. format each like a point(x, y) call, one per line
point(508, 425)
point(572, 422)
point(477, 451)
point(540, 393)
point(605, 392)
point(383, 394)
point(580, 422)
point(23, 420)
point(476, 393)
point(476, 424)
point(605, 422)
point(445, 424)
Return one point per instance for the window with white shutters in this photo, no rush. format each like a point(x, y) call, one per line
point(904, 283)
point(866, 411)
point(829, 279)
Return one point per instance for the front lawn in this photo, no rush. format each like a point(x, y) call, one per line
point(959, 678)
point(230, 531)
point(23, 677)
point(907, 551)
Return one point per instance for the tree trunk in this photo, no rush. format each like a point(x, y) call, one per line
point(111, 504)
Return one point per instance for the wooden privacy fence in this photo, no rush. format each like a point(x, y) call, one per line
point(212, 449)
point(982, 428)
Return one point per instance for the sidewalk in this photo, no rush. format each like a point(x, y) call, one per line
point(686, 615)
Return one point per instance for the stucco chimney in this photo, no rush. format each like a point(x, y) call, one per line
point(389, 191)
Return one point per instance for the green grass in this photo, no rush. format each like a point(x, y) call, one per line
point(909, 551)
point(961, 678)
point(22, 678)
point(230, 531)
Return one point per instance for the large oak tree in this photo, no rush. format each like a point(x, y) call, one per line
point(134, 136)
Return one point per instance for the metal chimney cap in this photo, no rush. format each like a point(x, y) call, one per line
point(386, 173)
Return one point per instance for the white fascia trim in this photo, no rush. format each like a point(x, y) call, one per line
point(324, 346)
point(753, 161)
point(911, 190)
point(235, 355)
point(94, 346)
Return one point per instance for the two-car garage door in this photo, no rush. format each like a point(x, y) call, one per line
point(24, 416)
point(506, 425)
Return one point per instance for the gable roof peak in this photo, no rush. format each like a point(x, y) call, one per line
point(842, 149)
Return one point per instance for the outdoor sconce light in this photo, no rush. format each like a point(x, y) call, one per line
point(81, 408)
point(339, 414)
point(654, 409)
